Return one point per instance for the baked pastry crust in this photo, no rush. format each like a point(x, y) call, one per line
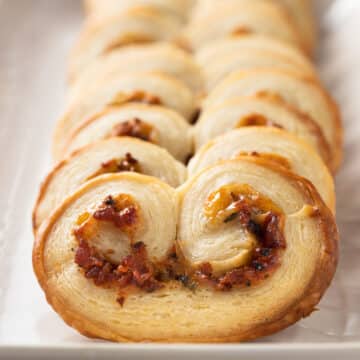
point(94, 160)
point(272, 144)
point(137, 25)
point(104, 8)
point(182, 315)
point(251, 52)
point(241, 18)
point(250, 110)
point(170, 92)
point(305, 95)
point(161, 58)
point(168, 129)
point(299, 12)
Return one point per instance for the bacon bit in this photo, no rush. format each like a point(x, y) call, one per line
point(86, 257)
point(120, 217)
point(273, 236)
point(129, 163)
point(135, 269)
point(134, 128)
point(121, 300)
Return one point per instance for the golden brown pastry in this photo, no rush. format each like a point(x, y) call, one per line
point(272, 144)
point(299, 11)
point(241, 18)
point(256, 248)
point(150, 88)
point(305, 95)
point(137, 25)
point(222, 57)
point(156, 57)
point(117, 154)
point(154, 124)
point(258, 110)
point(104, 8)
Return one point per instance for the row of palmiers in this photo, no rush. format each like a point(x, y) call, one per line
point(128, 258)
point(119, 154)
point(113, 24)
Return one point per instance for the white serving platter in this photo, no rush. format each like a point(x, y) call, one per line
point(35, 38)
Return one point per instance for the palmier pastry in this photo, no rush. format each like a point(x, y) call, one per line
point(255, 42)
point(250, 52)
point(161, 58)
point(241, 18)
point(260, 111)
point(300, 12)
point(154, 124)
point(305, 95)
point(274, 145)
point(256, 248)
point(138, 25)
point(104, 8)
point(151, 88)
point(107, 156)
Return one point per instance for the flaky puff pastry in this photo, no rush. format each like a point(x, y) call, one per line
point(224, 56)
point(154, 57)
point(300, 12)
point(150, 88)
point(306, 95)
point(258, 110)
point(137, 25)
point(154, 124)
point(104, 8)
point(271, 144)
point(238, 19)
point(175, 313)
point(117, 154)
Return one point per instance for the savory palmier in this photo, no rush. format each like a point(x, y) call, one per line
point(149, 88)
point(250, 52)
point(258, 110)
point(155, 124)
point(113, 155)
point(238, 19)
point(272, 144)
point(104, 8)
point(137, 25)
point(300, 12)
point(155, 57)
point(305, 95)
point(256, 248)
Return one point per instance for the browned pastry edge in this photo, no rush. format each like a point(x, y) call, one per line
point(322, 277)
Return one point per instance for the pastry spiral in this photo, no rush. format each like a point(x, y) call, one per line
point(150, 88)
point(305, 95)
point(250, 52)
point(256, 284)
point(112, 155)
point(104, 8)
point(274, 145)
point(258, 110)
point(161, 58)
point(241, 18)
point(154, 124)
point(137, 25)
point(300, 12)
point(130, 245)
